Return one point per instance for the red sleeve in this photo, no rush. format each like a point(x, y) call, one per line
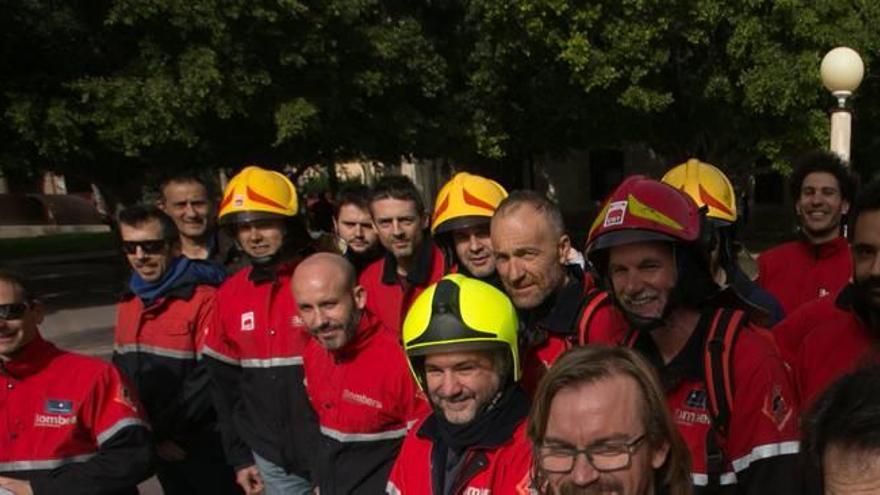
point(215, 342)
point(112, 406)
point(763, 440)
point(206, 320)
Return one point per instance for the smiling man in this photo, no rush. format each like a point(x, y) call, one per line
point(828, 337)
point(460, 338)
point(357, 378)
point(599, 425)
point(411, 262)
point(71, 425)
point(161, 325)
point(735, 409)
point(819, 263)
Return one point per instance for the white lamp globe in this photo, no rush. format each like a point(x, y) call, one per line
point(842, 71)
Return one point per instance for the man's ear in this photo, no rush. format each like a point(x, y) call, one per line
point(563, 245)
point(426, 220)
point(360, 297)
point(38, 311)
point(659, 455)
point(844, 207)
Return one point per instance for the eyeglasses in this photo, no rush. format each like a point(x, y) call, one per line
point(14, 311)
point(603, 458)
point(153, 246)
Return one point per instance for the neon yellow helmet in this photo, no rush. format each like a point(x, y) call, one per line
point(460, 314)
point(466, 200)
point(707, 186)
point(256, 193)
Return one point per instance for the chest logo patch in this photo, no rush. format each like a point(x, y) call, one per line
point(297, 321)
point(58, 406)
point(696, 399)
point(361, 399)
point(247, 321)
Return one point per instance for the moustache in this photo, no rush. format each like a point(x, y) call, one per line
point(325, 327)
point(599, 486)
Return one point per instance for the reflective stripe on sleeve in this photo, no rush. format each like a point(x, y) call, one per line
point(391, 489)
point(207, 351)
point(765, 452)
point(118, 426)
point(703, 479)
point(363, 437)
point(271, 362)
point(151, 349)
point(38, 465)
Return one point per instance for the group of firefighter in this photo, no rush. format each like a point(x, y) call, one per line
point(471, 349)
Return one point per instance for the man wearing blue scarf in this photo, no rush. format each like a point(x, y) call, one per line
point(161, 325)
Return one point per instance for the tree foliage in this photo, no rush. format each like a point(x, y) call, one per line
point(116, 90)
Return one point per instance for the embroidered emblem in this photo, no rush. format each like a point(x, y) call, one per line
point(616, 213)
point(247, 321)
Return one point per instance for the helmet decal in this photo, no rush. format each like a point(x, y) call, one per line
point(714, 202)
point(475, 201)
point(615, 213)
point(259, 198)
point(639, 209)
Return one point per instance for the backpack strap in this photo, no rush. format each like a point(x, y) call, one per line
point(718, 363)
point(593, 300)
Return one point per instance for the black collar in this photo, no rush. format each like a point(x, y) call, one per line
point(688, 363)
point(849, 299)
point(559, 312)
point(424, 265)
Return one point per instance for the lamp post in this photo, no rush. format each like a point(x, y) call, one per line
point(842, 71)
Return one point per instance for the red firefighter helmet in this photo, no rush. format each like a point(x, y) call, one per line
point(643, 209)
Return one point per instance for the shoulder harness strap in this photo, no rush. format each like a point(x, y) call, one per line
point(593, 300)
point(718, 363)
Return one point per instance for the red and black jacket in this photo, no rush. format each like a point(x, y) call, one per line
point(366, 399)
point(70, 424)
point(158, 347)
point(826, 339)
point(797, 272)
point(389, 296)
point(255, 355)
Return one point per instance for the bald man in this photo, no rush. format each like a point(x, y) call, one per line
point(357, 379)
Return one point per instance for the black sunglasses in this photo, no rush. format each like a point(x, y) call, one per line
point(14, 311)
point(154, 246)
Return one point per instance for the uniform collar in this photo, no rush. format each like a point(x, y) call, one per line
point(31, 359)
point(688, 363)
point(423, 266)
point(367, 328)
point(826, 249)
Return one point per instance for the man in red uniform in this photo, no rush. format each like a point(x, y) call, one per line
point(255, 348)
point(726, 385)
point(531, 252)
point(819, 263)
point(461, 340)
point(357, 379)
point(161, 324)
point(607, 403)
point(829, 337)
point(70, 424)
point(411, 262)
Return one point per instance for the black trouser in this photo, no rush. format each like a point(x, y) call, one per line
point(203, 472)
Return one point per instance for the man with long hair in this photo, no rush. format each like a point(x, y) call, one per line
point(607, 404)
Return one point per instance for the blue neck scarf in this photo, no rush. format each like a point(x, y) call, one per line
point(181, 271)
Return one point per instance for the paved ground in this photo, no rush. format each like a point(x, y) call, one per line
point(79, 298)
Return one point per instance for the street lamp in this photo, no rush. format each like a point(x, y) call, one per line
point(842, 71)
